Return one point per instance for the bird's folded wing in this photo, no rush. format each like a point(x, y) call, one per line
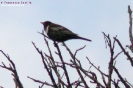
point(62, 29)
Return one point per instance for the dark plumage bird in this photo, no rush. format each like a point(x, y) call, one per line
point(59, 33)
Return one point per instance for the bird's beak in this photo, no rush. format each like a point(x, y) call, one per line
point(42, 22)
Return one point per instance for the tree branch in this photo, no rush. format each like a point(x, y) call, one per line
point(12, 68)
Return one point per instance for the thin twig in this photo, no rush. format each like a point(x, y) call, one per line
point(38, 81)
point(76, 65)
point(79, 50)
point(12, 68)
point(121, 78)
point(126, 53)
point(64, 67)
point(45, 66)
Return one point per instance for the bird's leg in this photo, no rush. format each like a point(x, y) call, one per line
point(55, 44)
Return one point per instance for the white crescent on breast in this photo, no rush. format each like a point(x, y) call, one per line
point(47, 29)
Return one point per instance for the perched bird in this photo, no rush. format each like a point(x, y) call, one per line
point(59, 33)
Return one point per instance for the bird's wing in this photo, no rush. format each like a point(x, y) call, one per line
point(61, 29)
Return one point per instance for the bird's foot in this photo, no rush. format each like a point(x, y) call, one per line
point(55, 44)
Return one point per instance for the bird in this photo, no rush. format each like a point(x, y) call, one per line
point(59, 33)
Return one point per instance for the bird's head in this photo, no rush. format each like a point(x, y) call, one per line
point(46, 23)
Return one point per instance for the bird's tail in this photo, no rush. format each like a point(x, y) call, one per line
point(84, 39)
point(78, 37)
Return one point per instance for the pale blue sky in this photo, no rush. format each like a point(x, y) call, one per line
point(88, 18)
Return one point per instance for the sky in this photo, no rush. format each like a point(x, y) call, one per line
point(87, 18)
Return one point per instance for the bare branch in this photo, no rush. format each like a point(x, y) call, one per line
point(76, 65)
point(118, 54)
point(12, 68)
point(45, 66)
point(130, 29)
point(43, 34)
point(64, 67)
point(79, 50)
point(38, 81)
point(121, 78)
point(126, 53)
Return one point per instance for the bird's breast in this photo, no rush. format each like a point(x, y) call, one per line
point(47, 29)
